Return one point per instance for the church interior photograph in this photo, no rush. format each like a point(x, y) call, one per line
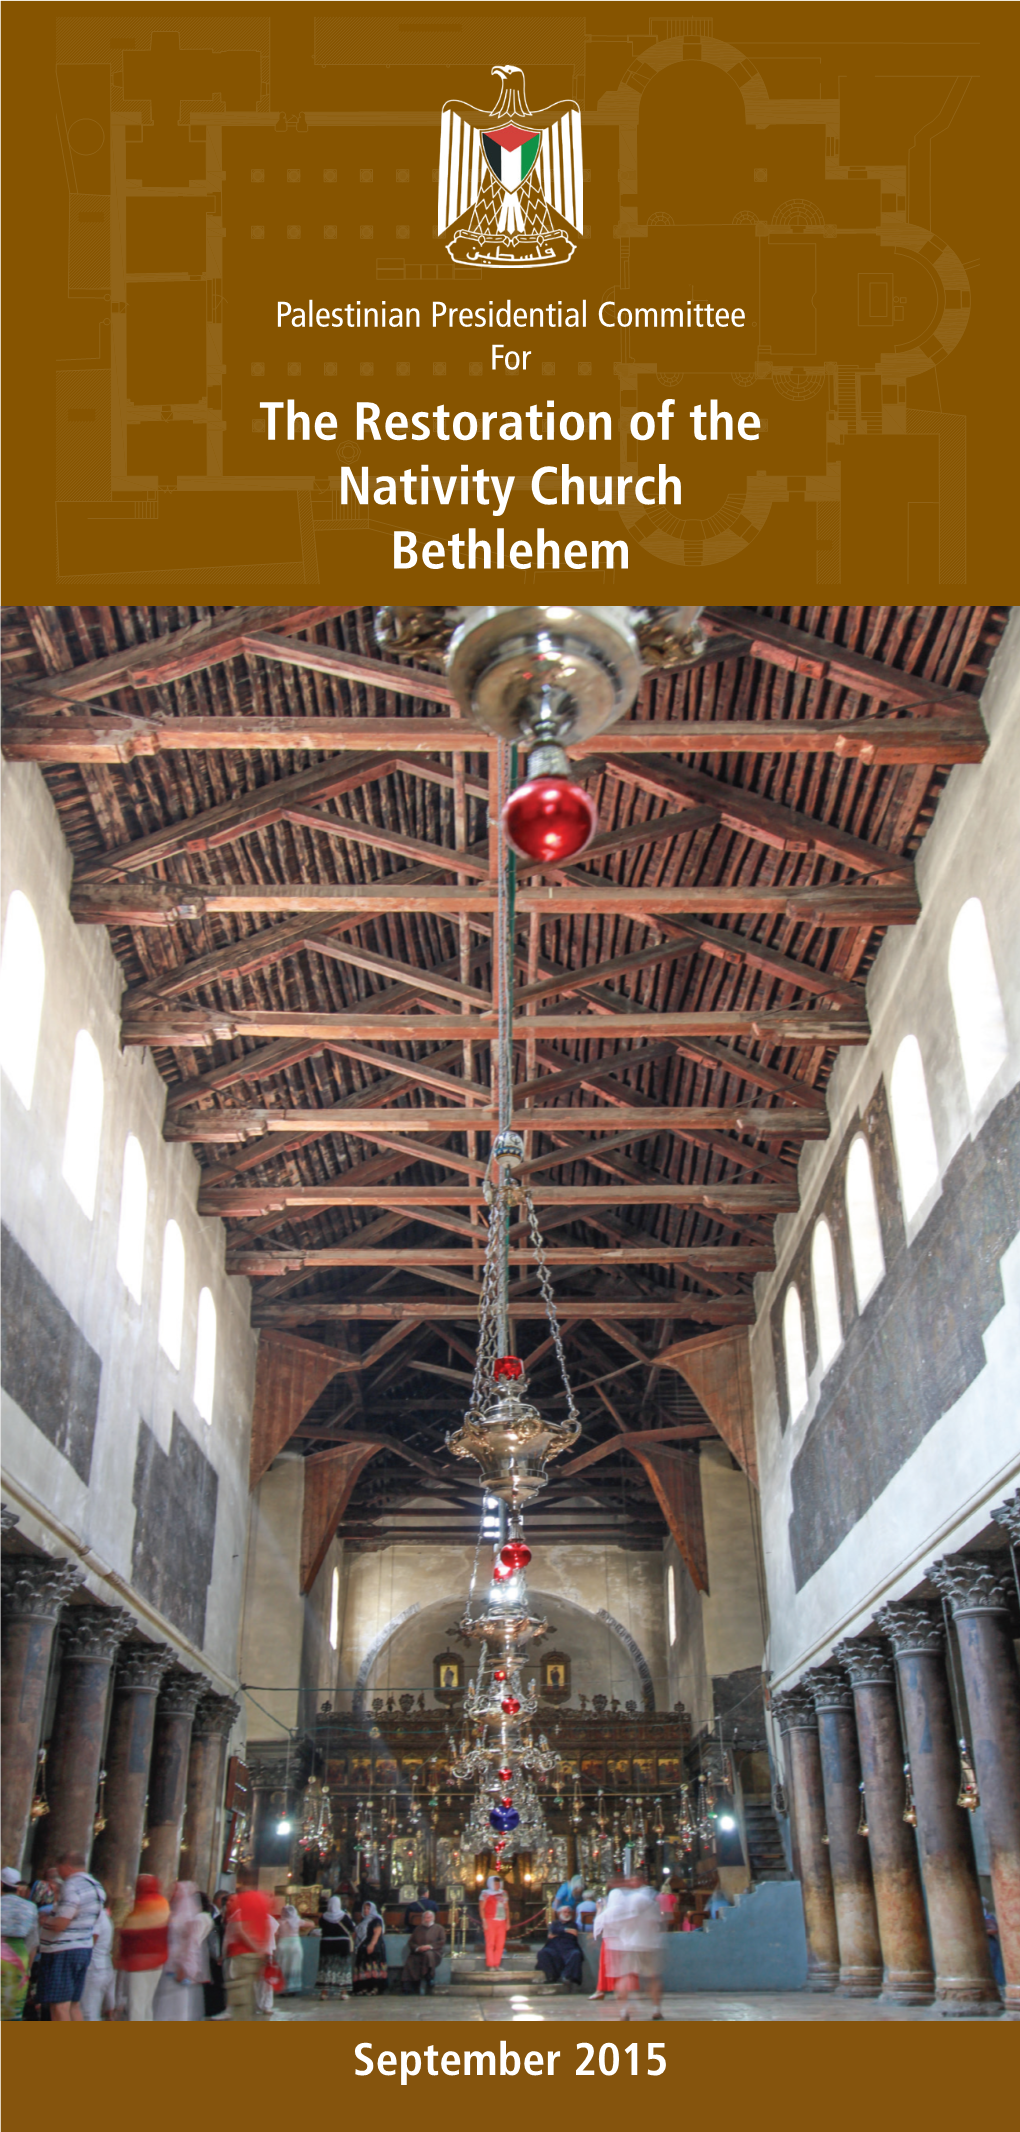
point(511, 1313)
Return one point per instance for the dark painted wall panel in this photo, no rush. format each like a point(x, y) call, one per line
point(46, 1364)
point(175, 1527)
point(915, 1348)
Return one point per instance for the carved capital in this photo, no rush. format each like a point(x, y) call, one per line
point(973, 1584)
point(8, 1518)
point(265, 1776)
point(215, 1714)
point(831, 1690)
point(142, 1665)
point(1008, 1515)
point(94, 1631)
point(869, 1665)
point(35, 1586)
point(794, 1709)
point(181, 1693)
point(911, 1627)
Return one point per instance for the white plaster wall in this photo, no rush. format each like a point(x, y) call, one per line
point(600, 1663)
point(272, 1627)
point(970, 1460)
point(731, 1610)
point(379, 1587)
point(77, 1257)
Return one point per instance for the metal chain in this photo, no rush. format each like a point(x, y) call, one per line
point(549, 1300)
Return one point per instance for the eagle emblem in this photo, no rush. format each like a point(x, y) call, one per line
point(511, 179)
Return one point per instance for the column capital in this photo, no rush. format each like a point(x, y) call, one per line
point(94, 1631)
point(869, 1665)
point(216, 1714)
point(1008, 1515)
point(831, 1690)
point(180, 1693)
point(35, 1585)
point(794, 1708)
point(911, 1627)
point(142, 1665)
point(973, 1584)
point(265, 1776)
point(8, 1518)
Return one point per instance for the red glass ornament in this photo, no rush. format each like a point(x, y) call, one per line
point(510, 1707)
point(507, 1366)
point(515, 1555)
point(507, 1801)
point(549, 819)
point(499, 1673)
point(501, 1573)
point(504, 1775)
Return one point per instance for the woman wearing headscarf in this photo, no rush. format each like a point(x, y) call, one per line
point(142, 1946)
point(560, 1959)
point(370, 1971)
point(288, 1948)
point(495, 1915)
point(179, 1994)
point(337, 1928)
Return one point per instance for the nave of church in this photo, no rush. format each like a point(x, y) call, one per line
point(466, 1465)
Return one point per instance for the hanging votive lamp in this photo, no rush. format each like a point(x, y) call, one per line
point(507, 1368)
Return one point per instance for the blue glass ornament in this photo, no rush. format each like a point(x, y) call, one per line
point(504, 1818)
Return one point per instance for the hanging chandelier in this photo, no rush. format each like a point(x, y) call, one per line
point(541, 678)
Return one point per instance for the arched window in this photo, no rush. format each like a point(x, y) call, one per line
point(334, 1610)
point(205, 1355)
point(977, 1001)
point(134, 1207)
point(826, 1292)
point(671, 1602)
point(171, 1294)
point(84, 1123)
point(793, 1349)
point(862, 1218)
point(912, 1127)
point(22, 984)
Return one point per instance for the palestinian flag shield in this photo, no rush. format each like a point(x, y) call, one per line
point(511, 154)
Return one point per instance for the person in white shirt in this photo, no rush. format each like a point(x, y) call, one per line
point(632, 1935)
point(97, 1999)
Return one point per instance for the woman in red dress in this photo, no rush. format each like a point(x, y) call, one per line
point(495, 1912)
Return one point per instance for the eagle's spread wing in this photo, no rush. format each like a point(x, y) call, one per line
point(462, 163)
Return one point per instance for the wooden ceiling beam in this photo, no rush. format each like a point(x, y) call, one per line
point(818, 659)
point(765, 820)
point(241, 816)
point(726, 1258)
point(733, 1198)
point(49, 735)
point(251, 1122)
point(444, 858)
point(161, 660)
point(163, 903)
point(313, 1310)
point(194, 1027)
point(583, 980)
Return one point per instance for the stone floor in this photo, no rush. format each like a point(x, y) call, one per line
point(523, 2005)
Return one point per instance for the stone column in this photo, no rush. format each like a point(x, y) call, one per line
point(798, 1721)
point(896, 1875)
point(264, 1778)
point(34, 1591)
point(168, 1771)
point(214, 1719)
point(89, 1638)
point(982, 1603)
point(963, 1972)
point(860, 1950)
point(117, 1850)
